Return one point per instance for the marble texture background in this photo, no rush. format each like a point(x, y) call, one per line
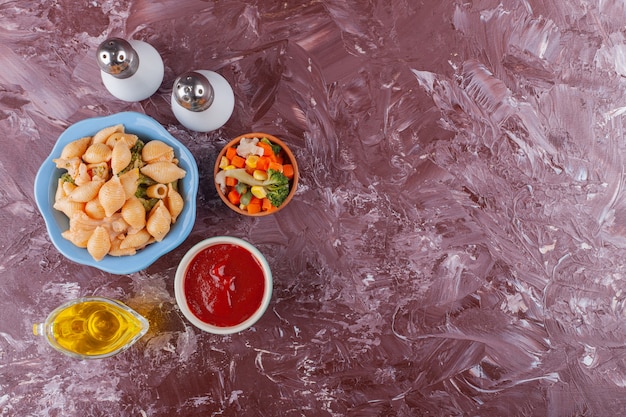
point(456, 246)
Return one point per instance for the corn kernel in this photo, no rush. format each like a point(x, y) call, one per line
point(251, 161)
point(229, 167)
point(259, 175)
point(224, 162)
point(258, 191)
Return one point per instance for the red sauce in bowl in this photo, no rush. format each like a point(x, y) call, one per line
point(224, 285)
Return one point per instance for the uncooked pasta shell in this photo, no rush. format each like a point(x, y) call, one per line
point(99, 243)
point(96, 153)
point(136, 240)
point(70, 165)
point(163, 172)
point(102, 135)
point(75, 148)
point(159, 221)
point(120, 157)
point(68, 207)
point(68, 187)
point(112, 195)
point(78, 237)
point(118, 224)
point(82, 174)
point(116, 250)
point(134, 213)
point(174, 202)
point(88, 191)
point(94, 209)
point(155, 150)
point(128, 138)
point(129, 181)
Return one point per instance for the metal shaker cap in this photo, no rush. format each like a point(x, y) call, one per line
point(193, 91)
point(117, 57)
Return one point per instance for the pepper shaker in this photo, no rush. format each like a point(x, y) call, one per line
point(131, 70)
point(202, 100)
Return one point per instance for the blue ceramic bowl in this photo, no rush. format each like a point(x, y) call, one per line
point(56, 222)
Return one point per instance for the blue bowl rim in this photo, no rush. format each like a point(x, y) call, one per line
point(146, 128)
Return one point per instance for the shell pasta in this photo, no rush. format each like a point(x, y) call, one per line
point(119, 192)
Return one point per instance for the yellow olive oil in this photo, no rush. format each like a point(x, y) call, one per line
point(92, 327)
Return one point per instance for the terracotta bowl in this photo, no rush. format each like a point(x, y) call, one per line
point(288, 158)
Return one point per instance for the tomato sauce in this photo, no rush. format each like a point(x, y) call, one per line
point(224, 285)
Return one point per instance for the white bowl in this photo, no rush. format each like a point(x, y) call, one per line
point(181, 273)
point(56, 222)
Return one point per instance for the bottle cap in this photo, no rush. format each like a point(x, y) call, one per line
point(117, 57)
point(193, 91)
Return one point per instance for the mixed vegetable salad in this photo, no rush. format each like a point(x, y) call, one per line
point(254, 175)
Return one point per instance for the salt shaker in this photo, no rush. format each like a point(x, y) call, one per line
point(202, 100)
point(131, 70)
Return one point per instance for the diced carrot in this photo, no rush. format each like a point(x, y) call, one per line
point(288, 170)
point(267, 149)
point(266, 205)
point(254, 206)
point(230, 153)
point(276, 166)
point(263, 163)
point(231, 182)
point(234, 197)
point(238, 161)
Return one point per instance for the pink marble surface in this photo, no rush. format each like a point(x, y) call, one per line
point(456, 247)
